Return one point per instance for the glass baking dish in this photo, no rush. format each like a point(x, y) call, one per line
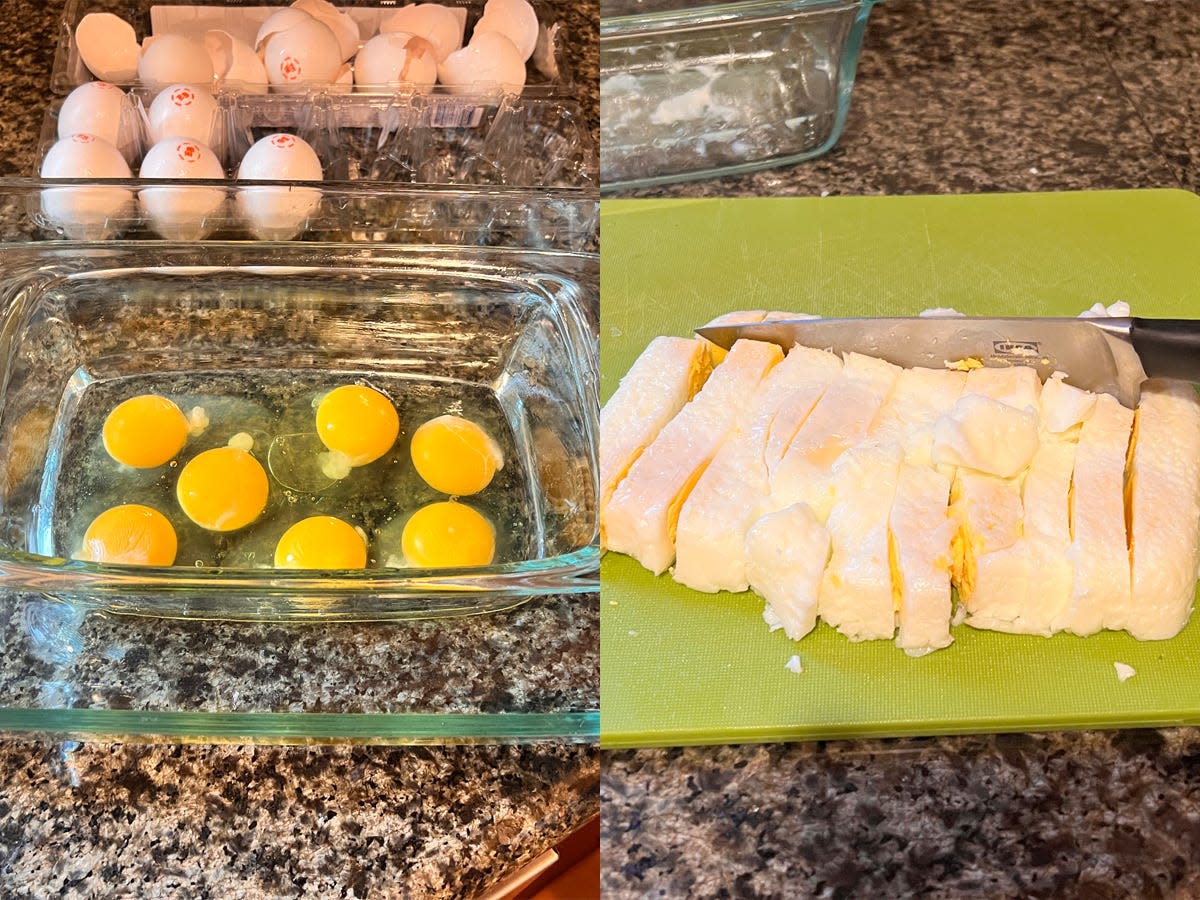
point(503, 653)
point(694, 90)
point(258, 324)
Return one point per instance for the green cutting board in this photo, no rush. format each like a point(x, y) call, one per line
point(682, 667)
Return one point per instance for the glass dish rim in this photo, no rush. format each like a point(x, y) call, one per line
point(715, 14)
point(576, 571)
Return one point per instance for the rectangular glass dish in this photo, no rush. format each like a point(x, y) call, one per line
point(504, 652)
point(246, 331)
point(696, 90)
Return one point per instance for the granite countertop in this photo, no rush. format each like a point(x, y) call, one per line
point(951, 97)
point(195, 820)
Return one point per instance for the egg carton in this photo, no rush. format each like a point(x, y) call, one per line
point(522, 141)
point(243, 18)
point(89, 210)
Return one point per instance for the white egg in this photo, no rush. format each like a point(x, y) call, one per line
point(235, 62)
point(489, 64)
point(184, 110)
point(281, 157)
point(515, 19)
point(343, 27)
point(182, 213)
point(396, 58)
point(84, 156)
point(173, 58)
point(278, 213)
point(436, 23)
point(303, 52)
point(97, 108)
point(86, 213)
point(108, 46)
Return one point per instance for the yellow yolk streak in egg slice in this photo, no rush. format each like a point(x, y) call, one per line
point(145, 432)
point(455, 456)
point(132, 535)
point(359, 422)
point(223, 489)
point(448, 534)
point(321, 542)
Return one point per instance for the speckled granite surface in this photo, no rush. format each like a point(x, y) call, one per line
point(108, 820)
point(1008, 96)
point(952, 97)
point(1090, 815)
point(272, 822)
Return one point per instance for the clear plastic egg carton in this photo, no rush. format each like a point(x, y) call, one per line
point(553, 219)
point(405, 137)
point(370, 144)
point(242, 19)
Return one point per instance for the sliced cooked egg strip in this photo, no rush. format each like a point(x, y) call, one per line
point(644, 509)
point(920, 397)
point(786, 552)
point(1099, 552)
point(855, 596)
point(731, 494)
point(920, 532)
point(988, 563)
point(838, 422)
point(665, 377)
point(1045, 497)
point(1164, 509)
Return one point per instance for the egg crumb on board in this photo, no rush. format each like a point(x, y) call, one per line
point(794, 665)
point(1124, 672)
point(1042, 506)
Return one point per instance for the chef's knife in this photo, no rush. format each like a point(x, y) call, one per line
point(1113, 355)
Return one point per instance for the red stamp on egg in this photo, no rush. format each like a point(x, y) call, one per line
point(183, 96)
point(83, 138)
point(283, 141)
point(188, 152)
point(290, 68)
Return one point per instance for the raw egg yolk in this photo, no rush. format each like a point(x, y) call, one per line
point(144, 432)
point(223, 489)
point(448, 534)
point(131, 534)
point(321, 542)
point(455, 456)
point(359, 422)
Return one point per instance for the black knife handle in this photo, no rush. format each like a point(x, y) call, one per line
point(1168, 348)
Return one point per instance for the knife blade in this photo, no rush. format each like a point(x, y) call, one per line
point(1110, 355)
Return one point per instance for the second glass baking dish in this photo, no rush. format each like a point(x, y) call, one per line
point(695, 90)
